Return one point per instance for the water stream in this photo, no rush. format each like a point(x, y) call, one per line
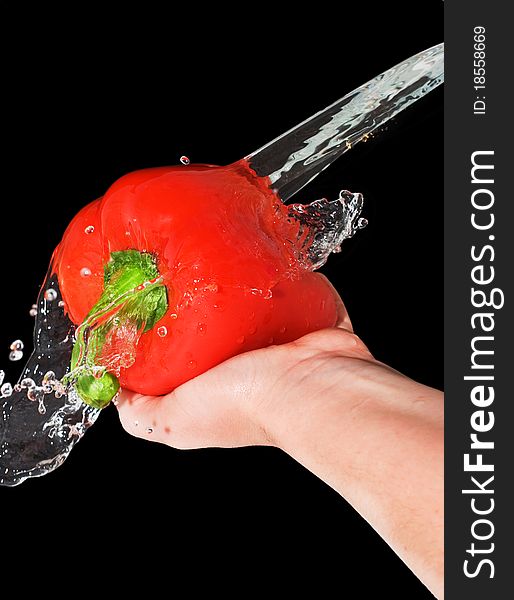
point(41, 423)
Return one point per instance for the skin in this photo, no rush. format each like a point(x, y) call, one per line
point(369, 432)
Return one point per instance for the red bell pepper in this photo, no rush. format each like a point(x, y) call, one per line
point(224, 265)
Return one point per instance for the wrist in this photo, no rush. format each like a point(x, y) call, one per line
point(350, 411)
point(308, 377)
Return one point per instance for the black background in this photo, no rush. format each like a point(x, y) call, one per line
point(90, 100)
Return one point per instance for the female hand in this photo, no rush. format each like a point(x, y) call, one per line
point(371, 433)
point(229, 405)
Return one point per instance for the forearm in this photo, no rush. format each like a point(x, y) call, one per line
point(372, 434)
point(377, 438)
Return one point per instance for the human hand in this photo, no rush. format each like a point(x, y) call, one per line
point(231, 404)
point(328, 403)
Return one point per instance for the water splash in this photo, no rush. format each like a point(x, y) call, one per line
point(324, 225)
point(41, 422)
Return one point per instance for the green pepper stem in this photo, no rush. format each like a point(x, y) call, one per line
point(133, 295)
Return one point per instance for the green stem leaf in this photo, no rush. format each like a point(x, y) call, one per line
point(133, 294)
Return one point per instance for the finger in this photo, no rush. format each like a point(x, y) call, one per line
point(180, 419)
point(155, 418)
point(343, 318)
